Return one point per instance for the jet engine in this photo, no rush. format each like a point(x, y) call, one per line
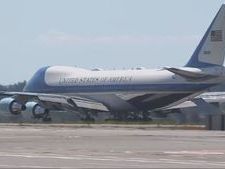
point(11, 105)
point(36, 110)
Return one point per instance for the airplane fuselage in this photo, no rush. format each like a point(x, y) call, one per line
point(121, 90)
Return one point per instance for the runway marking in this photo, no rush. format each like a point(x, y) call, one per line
point(193, 162)
point(32, 166)
point(116, 159)
point(201, 152)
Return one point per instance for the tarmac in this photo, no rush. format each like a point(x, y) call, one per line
point(99, 146)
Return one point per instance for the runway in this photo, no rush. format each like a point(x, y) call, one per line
point(109, 147)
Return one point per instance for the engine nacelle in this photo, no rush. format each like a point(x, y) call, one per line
point(11, 105)
point(36, 110)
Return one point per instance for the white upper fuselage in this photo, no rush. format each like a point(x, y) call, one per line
point(72, 76)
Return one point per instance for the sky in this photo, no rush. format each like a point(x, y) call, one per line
point(108, 34)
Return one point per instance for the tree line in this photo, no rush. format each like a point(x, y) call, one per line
point(16, 87)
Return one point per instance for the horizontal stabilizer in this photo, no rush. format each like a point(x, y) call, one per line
point(190, 75)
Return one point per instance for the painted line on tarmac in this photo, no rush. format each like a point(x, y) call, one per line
point(117, 159)
point(32, 166)
point(201, 152)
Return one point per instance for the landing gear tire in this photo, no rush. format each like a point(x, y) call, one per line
point(46, 117)
point(146, 116)
point(88, 117)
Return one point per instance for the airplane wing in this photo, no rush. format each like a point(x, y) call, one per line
point(211, 97)
point(56, 102)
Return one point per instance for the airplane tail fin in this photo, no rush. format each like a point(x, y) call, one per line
point(211, 49)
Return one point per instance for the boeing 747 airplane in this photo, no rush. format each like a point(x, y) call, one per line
point(77, 89)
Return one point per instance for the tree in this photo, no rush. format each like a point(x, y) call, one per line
point(17, 87)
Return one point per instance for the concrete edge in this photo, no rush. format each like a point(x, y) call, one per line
point(131, 126)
